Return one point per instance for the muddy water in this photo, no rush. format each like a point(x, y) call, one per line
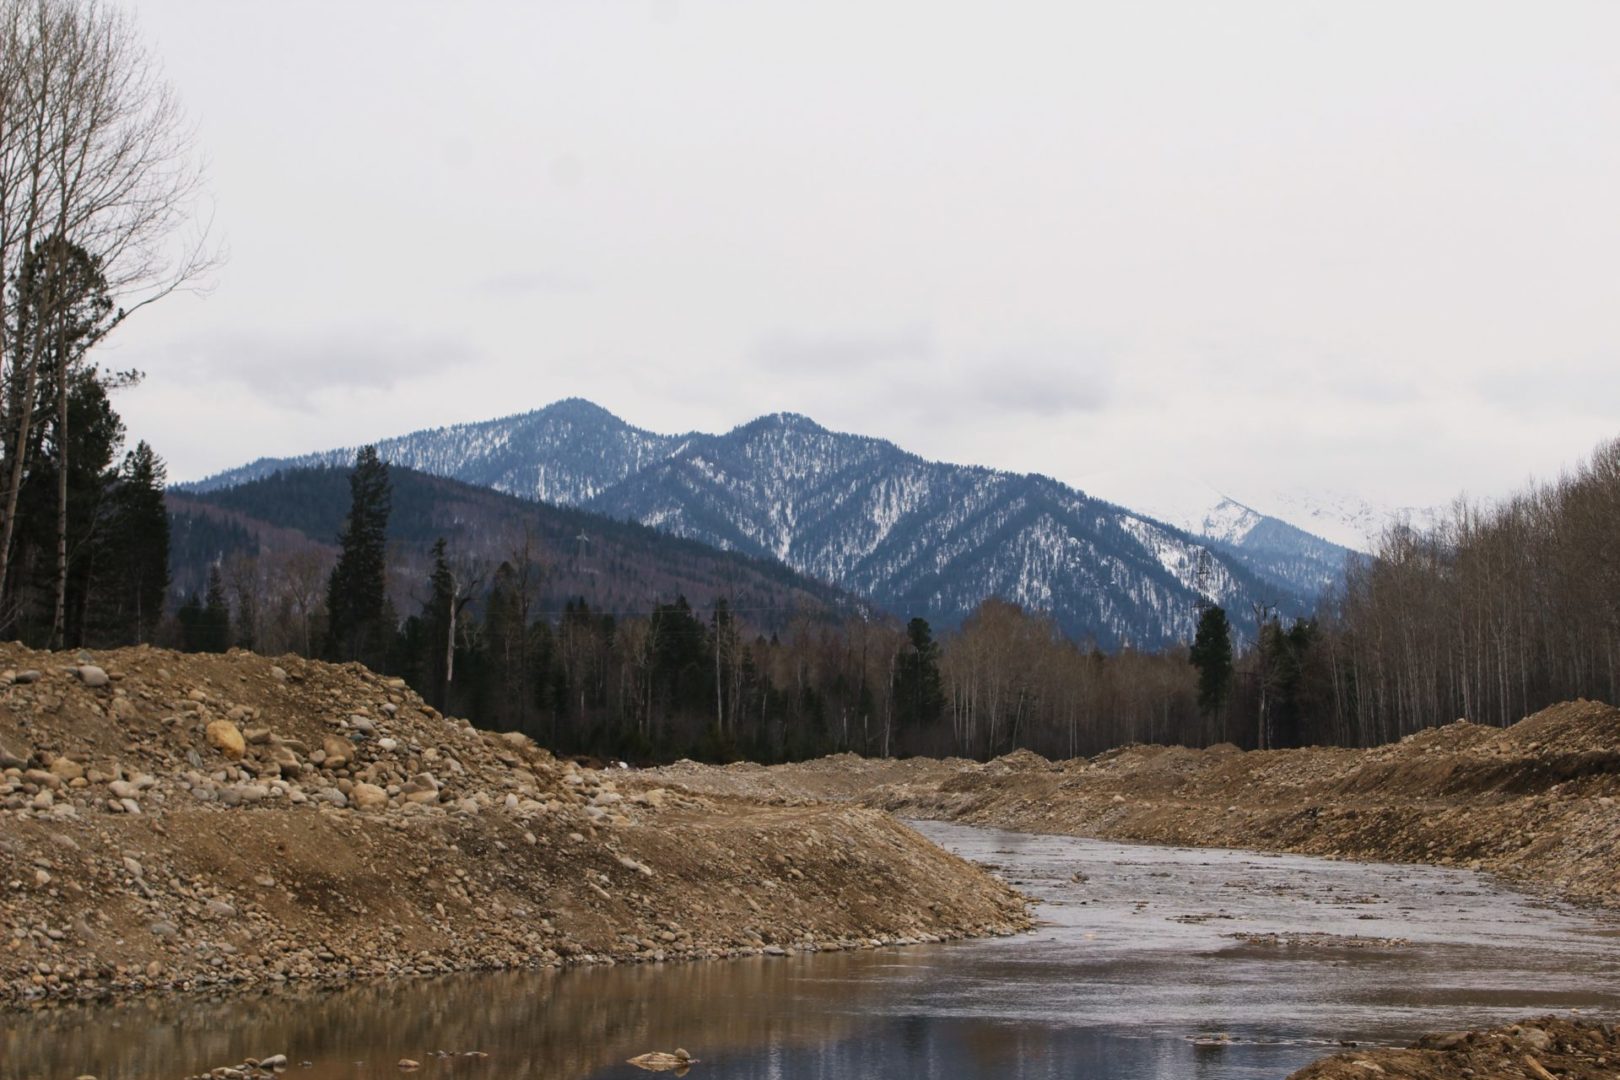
point(1141, 950)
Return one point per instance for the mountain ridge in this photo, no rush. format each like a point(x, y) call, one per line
point(911, 535)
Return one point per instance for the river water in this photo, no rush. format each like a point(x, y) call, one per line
point(1142, 952)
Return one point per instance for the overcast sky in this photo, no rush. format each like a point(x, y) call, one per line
point(1368, 246)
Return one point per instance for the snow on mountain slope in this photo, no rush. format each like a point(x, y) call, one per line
point(915, 536)
point(564, 453)
point(1347, 519)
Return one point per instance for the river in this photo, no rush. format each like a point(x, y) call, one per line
point(1150, 963)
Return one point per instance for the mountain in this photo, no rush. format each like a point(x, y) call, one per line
point(1347, 518)
point(565, 453)
point(913, 536)
point(617, 566)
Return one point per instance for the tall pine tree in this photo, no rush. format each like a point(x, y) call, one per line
point(356, 592)
point(216, 615)
point(1212, 655)
point(919, 697)
point(139, 559)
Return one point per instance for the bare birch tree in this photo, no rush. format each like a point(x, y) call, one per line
point(95, 153)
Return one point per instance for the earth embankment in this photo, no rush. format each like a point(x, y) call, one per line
point(181, 821)
point(1538, 802)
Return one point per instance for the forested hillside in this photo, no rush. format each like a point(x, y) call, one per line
point(614, 566)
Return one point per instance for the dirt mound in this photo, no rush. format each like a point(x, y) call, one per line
point(1538, 802)
point(174, 820)
point(1532, 1050)
point(836, 778)
point(1019, 761)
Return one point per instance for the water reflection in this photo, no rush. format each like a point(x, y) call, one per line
point(1146, 949)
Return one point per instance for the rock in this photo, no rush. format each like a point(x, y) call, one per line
point(407, 1063)
point(91, 675)
point(125, 708)
point(67, 770)
point(256, 736)
point(274, 1061)
point(226, 737)
point(1446, 1040)
point(368, 797)
point(26, 677)
point(123, 789)
point(278, 673)
point(658, 1061)
point(10, 759)
point(43, 777)
point(339, 752)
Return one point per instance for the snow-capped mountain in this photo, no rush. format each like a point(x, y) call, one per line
point(565, 453)
point(914, 536)
point(1348, 519)
point(1286, 557)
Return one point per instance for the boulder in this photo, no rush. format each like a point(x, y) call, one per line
point(91, 675)
point(368, 797)
point(226, 737)
point(339, 751)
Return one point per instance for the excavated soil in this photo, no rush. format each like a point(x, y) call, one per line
point(1538, 803)
point(183, 821)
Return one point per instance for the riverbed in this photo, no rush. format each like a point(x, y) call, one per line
point(1149, 963)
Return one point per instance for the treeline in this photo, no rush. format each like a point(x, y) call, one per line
point(1495, 614)
point(1502, 610)
point(675, 680)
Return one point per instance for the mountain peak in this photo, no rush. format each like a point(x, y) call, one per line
point(577, 409)
point(784, 421)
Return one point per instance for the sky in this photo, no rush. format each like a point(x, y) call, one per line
point(1367, 247)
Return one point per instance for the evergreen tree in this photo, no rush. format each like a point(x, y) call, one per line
point(356, 592)
point(918, 696)
point(137, 561)
point(1212, 655)
point(38, 589)
point(438, 623)
point(214, 633)
point(190, 618)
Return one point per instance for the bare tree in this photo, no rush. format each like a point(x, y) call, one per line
point(302, 573)
point(94, 153)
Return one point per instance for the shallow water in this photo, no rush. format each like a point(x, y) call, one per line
point(1130, 962)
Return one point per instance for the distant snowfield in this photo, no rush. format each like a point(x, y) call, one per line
point(1201, 508)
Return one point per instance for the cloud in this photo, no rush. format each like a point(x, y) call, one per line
point(819, 355)
point(291, 370)
point(506, 286)
point(1049, 380)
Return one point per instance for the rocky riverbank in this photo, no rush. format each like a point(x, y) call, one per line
point(182, 821)
point(1540, 1049)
